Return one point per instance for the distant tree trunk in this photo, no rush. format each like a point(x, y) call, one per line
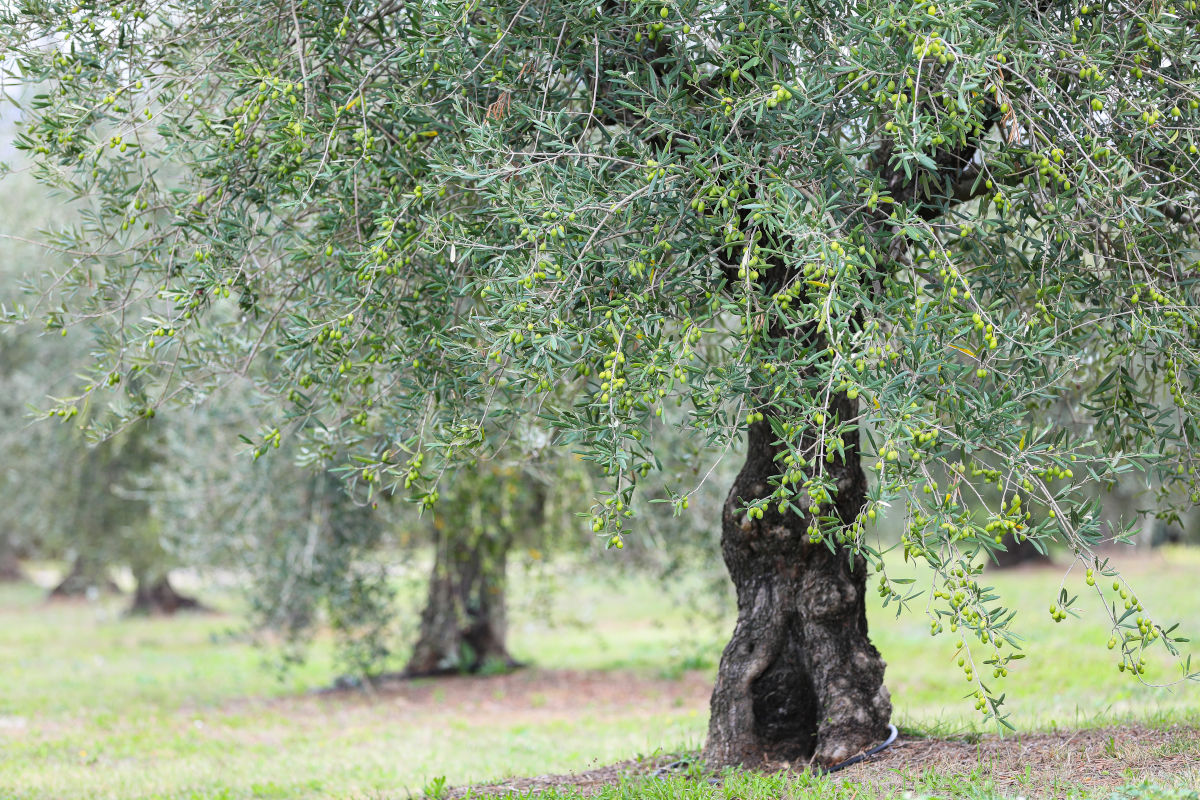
point(155, 596)
point(1017, 553)
point(10, 563)
point(463, 626)
point(799, 680)
point(87, 575)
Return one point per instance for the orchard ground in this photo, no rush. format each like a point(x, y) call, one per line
point(96, 706)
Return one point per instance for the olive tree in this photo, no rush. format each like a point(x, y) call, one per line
point(313, 552)
point(877, 238)
point(64, 499)
point(484, 514)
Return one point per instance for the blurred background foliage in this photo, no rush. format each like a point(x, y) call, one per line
point(182, 494)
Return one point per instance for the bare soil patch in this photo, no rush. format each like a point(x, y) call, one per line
point(531, 690)
point(1029, 764)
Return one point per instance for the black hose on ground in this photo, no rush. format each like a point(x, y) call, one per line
point(879, 748)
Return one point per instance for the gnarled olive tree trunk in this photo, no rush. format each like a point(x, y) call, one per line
point(799, 680)
point(155, 596)
point(463, 626)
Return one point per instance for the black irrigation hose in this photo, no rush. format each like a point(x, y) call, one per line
point(879, 748)
point(667, 769)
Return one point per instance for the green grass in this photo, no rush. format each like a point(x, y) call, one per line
point(1068, 678)
point(93, 705)
point(751, 786)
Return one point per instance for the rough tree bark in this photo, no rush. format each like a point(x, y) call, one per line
point(155, 596)
point(799, 680)
point(463, 625)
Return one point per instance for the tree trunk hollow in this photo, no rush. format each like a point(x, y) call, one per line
point(799, 681)
point(463, 626)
